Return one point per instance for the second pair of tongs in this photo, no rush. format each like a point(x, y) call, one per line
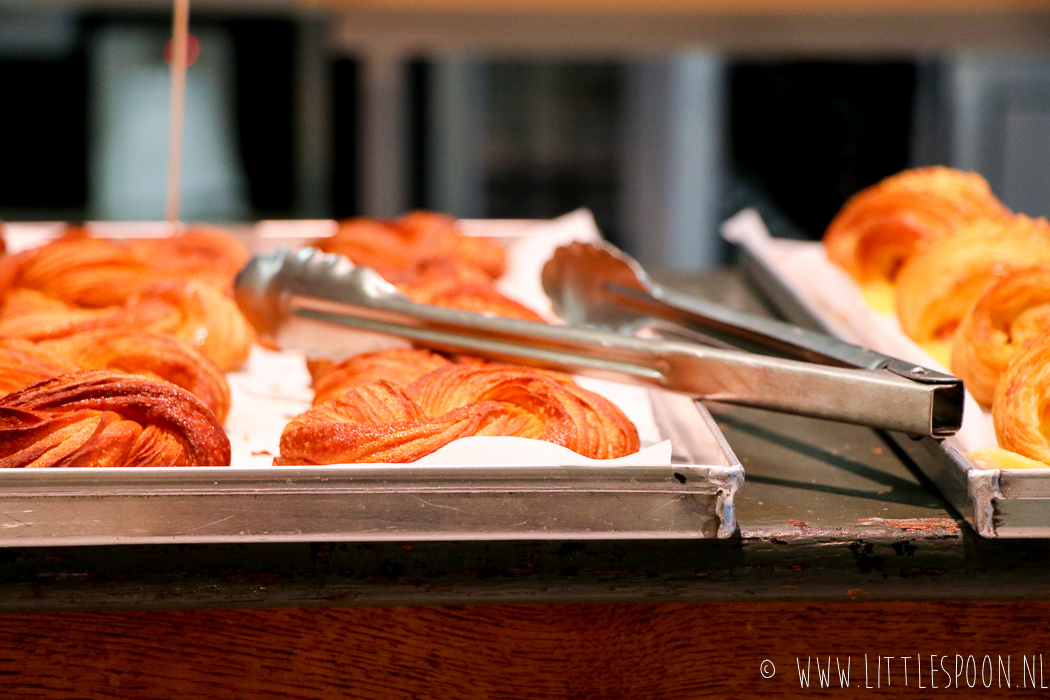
point(328, 290)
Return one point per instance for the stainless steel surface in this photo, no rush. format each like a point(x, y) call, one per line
point(328, 289)
point(1003, 503)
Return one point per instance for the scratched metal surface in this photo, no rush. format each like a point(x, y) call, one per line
point(828, 512)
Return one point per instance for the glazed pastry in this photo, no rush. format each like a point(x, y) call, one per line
point(1013, 312)
point(146, 353)
point(380, 422)
point(1022, 402)
point(880, 227)
point(937, 287)
point(108, 419)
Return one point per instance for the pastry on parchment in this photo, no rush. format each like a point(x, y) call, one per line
point(108, 419)
point(882, 226)
point(380, 421)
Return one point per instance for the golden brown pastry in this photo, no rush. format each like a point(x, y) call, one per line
point(551, 406)
point(77, 284)
point(1022, 402)
point(429, 261)
point(398, 366)
point(83, 272)
point(23, 363)
point(200, 315)
point(398, 249)
point(202, 253)
point(108, 419)
point(882, 226)
point(1015, 310)
point(380, 422)
point(147, 353)
point(30, 314)
point(937, 287)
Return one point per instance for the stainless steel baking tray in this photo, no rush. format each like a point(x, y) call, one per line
point(1009, 503)
point(690, 498)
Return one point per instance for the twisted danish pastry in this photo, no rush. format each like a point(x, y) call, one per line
point(880, 227)
point(1014, 311)
point(200, 315)
point(146, 353)
point(202, 253)
point(108, 419)
point(379, 422)
point(937, 287)
point(398, 366)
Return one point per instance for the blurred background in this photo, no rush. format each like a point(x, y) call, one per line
point(662, 117)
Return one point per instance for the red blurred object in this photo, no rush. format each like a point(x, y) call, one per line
point(193, 50)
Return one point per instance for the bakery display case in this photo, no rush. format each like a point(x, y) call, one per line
point(681, 484)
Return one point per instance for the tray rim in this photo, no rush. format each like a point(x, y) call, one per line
point(717, 483)
point(974, 491)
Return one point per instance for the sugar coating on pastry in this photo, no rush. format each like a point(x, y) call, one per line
point(108, 419)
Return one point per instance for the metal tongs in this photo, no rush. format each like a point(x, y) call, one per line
point(298, 298)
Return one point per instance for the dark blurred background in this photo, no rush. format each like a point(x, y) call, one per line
point(284, 122)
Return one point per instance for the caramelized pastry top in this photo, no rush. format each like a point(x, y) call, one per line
point(108, 419)
point(147, 353)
